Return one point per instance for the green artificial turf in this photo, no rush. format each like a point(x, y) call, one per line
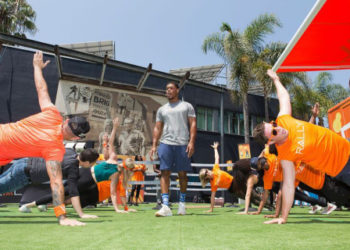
point(223, 229)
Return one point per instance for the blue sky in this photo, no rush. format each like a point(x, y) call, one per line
point(166, 33)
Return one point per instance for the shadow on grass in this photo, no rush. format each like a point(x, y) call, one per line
point(11, 222)
point(89, 221)
point(322, 221)
point(4, 210)
point(207, 214)
point(230, 211)
point(321, 217)
point(77, 216)
point(26, 217)
point(99, 209)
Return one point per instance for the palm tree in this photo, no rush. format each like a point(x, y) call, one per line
point(17, 18)
point(240, 50)
point(327, 93)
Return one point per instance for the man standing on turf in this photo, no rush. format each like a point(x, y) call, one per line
point(177, 128)
point(42, 135)
point(296, 140)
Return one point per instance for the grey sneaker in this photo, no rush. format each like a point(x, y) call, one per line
point(164, 211)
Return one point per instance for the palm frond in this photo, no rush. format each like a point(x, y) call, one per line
point(215, 43)
point(259, 28)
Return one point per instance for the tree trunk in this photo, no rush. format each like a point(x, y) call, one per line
point(246, 117)
point(266, 105)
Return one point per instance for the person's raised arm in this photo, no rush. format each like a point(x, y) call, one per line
point(193, 133)
point(40, 83)
point(282, 94)
point(216, 153)
point(288, 188)
point(105, 146)
point(111, 149)
point(157, 131)
point(315, 111)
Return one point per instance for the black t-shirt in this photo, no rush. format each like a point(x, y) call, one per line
point(70, 171)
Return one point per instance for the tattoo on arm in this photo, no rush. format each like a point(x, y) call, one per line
point(55, 173)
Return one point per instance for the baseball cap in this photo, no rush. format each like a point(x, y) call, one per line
point(79, 126)
point(254, 162)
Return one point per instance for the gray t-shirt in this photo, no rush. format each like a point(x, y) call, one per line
point(175, 119)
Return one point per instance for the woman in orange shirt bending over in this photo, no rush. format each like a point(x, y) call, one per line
point(216, 177)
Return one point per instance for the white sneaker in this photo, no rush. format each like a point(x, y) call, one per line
point(25, 209)
point(315, 209)
point(329, 209)
point(42, 208)
point(182, 209)
point(164, 211)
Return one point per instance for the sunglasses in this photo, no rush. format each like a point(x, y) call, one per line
point(274, 126)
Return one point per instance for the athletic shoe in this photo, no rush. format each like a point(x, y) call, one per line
point(329, 209)
point(42, 208)
point(164, 211)
point(182, 209)
point(25, 209)
point(315, 209)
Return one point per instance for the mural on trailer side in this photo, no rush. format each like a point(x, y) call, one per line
point(136, 113)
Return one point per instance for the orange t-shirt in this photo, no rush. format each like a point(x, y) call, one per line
point(39, 135)
point(274, 173)
point(309, 176)
point(138, 175)
point(221, 179)
point(316, 146)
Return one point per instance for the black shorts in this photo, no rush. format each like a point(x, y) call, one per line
point(336, 191)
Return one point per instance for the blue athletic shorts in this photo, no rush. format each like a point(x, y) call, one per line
point(174, 158)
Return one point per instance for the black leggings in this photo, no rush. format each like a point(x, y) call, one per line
point(137, 188)
point(87, 187)
point(333, 190)
point(300, 196)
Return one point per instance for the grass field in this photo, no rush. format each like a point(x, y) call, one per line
point(223, 229)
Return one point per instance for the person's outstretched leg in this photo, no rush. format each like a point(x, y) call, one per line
point(15, 177)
